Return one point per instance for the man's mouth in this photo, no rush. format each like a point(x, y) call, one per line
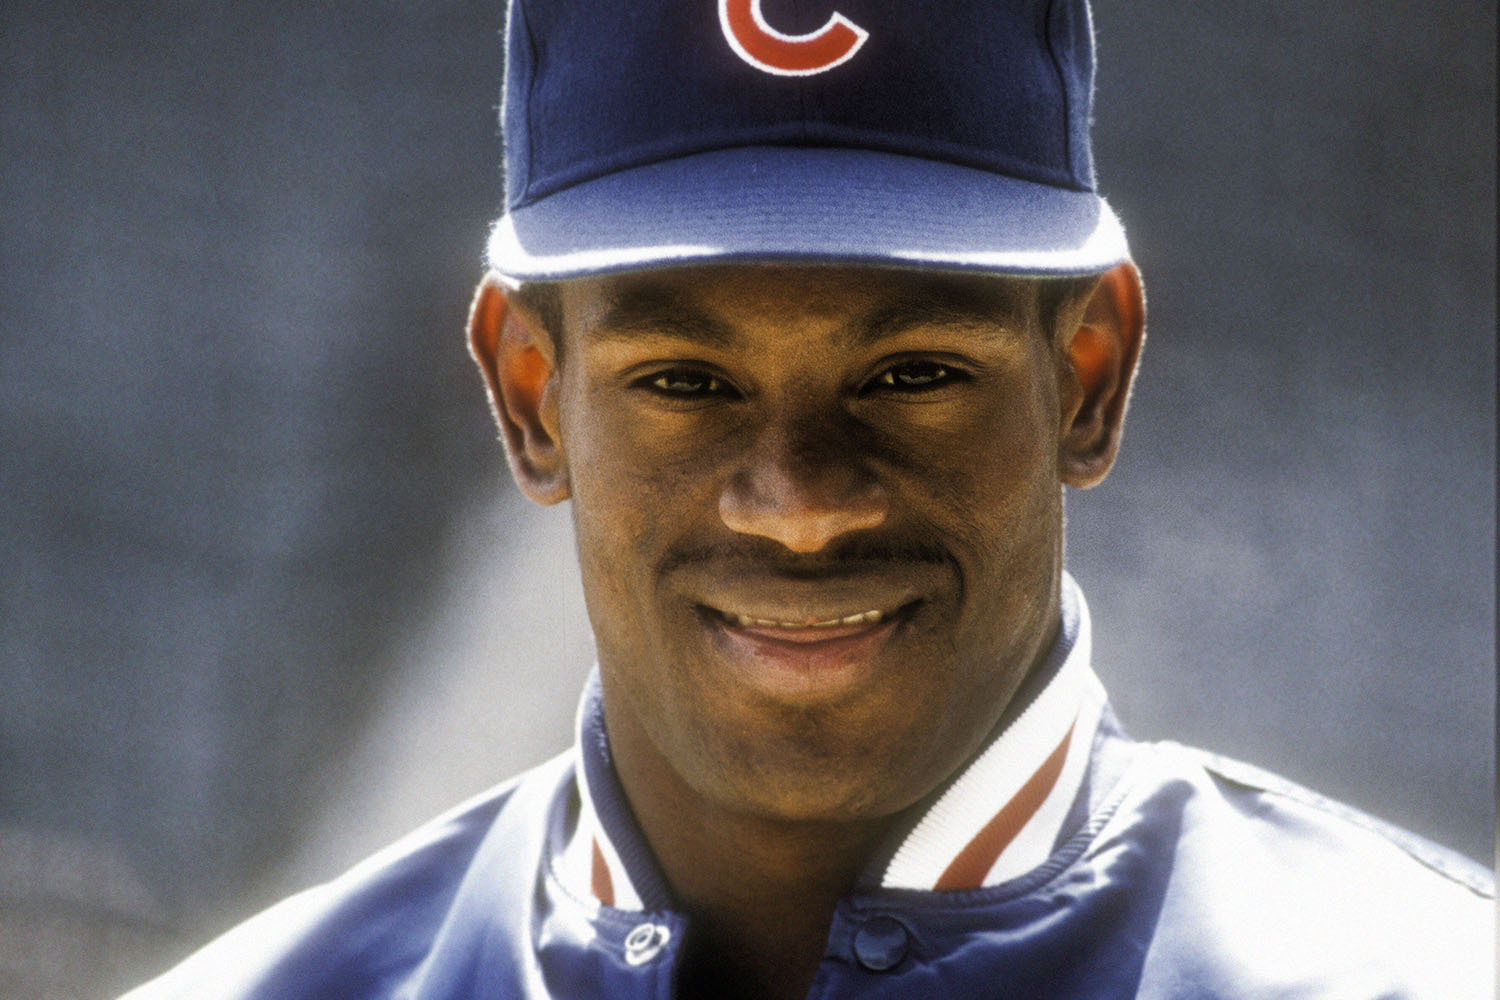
point(805, 638)
point(807, 632)
point(872, 617)
point(805, 653)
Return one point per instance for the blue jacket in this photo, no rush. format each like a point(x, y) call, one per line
point(1181, 875)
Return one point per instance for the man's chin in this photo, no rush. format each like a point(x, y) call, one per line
point(828, 794)
point(819, 763)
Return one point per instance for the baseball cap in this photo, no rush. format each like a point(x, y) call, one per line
point(948, 134)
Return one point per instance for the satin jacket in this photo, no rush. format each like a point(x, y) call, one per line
point(1175, 875)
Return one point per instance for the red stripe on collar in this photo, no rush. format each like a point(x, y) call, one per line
point(973, 863)
point(601, 883)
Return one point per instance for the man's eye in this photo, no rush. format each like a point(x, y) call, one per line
point(916, 375)
point(686, 382)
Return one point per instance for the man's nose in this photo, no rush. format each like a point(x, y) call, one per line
point(802, 486)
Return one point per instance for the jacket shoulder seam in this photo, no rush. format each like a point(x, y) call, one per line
point(1440, 860)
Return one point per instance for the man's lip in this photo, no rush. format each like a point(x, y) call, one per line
point(790, 637)
point(774, 594)
point(772, 600)
point(871, 617)
point(807, 662)
point(804, 628)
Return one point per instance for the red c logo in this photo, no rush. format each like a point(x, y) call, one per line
point(767, 49)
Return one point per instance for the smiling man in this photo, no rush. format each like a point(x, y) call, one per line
point(812, 316)
point(817, 577)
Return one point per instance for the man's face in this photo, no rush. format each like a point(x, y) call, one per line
point(819, 519)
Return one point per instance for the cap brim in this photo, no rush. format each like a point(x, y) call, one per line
point(807, 205)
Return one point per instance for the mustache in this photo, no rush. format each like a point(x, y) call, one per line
point(849, 557)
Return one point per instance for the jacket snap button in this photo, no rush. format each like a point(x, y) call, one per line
point(645, 942)
point(881, 944)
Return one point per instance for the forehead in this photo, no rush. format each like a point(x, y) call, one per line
point(715, 303)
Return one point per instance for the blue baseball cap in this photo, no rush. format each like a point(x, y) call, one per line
point(948, 134)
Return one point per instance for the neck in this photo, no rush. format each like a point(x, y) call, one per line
point(760, 893)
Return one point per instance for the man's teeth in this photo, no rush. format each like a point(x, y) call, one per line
point(863, 618)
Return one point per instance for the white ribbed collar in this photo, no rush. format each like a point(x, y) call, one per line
point(1001, 816)
point(998, 819)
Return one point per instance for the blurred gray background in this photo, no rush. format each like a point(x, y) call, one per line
point(268, 599)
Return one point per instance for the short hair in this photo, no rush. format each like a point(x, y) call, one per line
point(544, 299)
point(1057, 296)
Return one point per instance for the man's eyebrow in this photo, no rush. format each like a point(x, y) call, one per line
point(656, 310)
point(948, 306)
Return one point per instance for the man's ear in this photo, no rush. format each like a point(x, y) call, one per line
point(516, 355)
point(1101, 359)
